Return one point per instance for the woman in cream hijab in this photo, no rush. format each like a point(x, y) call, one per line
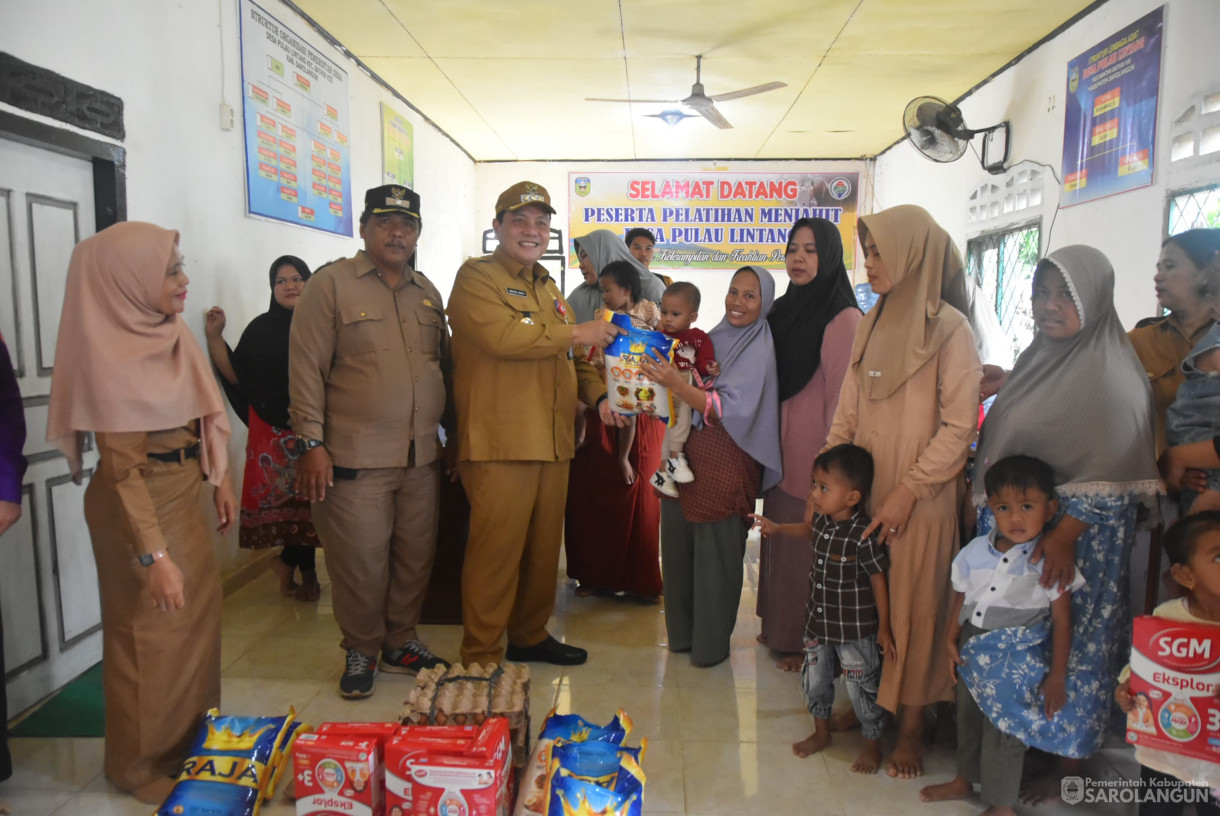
point(129, 370)
point(911, 398)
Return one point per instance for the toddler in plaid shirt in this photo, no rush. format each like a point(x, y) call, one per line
point(849, 604)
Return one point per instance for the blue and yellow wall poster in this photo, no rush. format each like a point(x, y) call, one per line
point(1109, 130)
point(711, 219)
point(295, 106)
point(397, 148)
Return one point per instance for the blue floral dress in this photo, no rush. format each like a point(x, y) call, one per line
point(1004, 667)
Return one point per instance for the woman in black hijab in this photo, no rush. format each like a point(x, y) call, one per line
point(255, 379)
point(813, 325)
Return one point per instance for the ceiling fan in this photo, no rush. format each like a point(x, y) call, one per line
point(698, 101)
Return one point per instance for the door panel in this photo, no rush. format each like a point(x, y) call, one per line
point(79, 607)
point(54, 230)
point(23, 629)
point(48, 580)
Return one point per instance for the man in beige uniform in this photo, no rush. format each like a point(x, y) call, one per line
point(516, 387)
point(368, 367)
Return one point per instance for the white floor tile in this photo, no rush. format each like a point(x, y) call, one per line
point(719, 739)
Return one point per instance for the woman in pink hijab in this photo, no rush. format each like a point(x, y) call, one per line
point(128, 369)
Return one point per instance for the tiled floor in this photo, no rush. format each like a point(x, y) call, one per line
point(718, 739)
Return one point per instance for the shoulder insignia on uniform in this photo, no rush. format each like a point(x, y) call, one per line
point(330, 263)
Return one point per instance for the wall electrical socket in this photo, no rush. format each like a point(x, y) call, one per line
point(226, 116)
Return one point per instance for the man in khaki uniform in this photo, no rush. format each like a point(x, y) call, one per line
point(368, 370)
point(516, 388)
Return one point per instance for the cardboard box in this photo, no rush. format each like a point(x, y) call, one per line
point(337, 774)
point(380, 731)
point(1175, 668)
point(450, 770)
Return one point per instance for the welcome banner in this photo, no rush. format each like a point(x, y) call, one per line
point(713, 220)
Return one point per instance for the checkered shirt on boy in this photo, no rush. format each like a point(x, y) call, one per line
point(841, 606)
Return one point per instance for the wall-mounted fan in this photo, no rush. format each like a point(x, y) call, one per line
point(698, 101)
point(936, 129)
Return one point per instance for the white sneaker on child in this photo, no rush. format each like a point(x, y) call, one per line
point(679, 471)
point(662, 482)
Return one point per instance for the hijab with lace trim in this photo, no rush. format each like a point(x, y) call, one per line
point(913, 320)
point(121, 365)
point(1081, 404)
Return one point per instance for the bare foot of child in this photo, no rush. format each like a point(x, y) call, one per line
point(845, 721)
point(284, 573)
point(791, 663)
point(906, 762)
point(869, 760)
point(813, 743)
point(956, 788)
point(624, 465)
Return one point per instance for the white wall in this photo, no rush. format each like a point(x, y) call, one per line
point(493, 178)
point(165, 61)
point(1128, 227)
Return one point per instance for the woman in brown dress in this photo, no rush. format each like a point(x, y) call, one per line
point(1187, 287)
point(911, 398)
point(129, 370)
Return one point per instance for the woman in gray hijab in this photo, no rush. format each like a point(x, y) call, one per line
point(1078, 398)
point(586, 298)
point(604, 246)
point(734, 446)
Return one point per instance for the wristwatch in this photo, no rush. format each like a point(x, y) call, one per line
point(303, 445)
point(147, 559)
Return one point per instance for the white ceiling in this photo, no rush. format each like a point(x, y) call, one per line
point(507, 80)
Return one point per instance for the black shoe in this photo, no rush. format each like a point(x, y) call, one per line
point(411, 658)
point(548, 651)
point(357, 679)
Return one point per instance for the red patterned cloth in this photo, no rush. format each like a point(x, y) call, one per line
point(727, 479)
point(272, 515)
point(611, 529)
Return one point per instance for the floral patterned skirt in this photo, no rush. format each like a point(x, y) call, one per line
point(272, 514)
point(1004, 668)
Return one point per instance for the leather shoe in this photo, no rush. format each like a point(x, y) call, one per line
point(548, 651)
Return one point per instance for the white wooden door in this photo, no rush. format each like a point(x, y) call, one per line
point(48, 578)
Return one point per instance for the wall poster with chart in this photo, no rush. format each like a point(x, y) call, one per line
point(397, 148)
point(1109, 121)
point(295, 107)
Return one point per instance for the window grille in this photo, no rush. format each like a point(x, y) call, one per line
point(1190, 209)
point(1003, 264)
